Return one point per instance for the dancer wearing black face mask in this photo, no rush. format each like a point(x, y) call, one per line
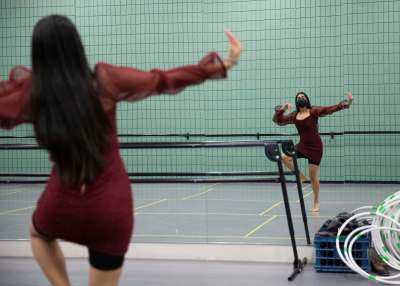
point(310, 146)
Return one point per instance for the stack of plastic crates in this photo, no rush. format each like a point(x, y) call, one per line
point(327, 258)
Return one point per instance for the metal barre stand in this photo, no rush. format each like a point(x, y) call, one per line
point(272, 152)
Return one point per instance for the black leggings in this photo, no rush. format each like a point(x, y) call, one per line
point(102, 261)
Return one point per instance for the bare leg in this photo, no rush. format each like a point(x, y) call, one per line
point(50, 258)
point(313, 169)
point(288, 161)
point(104, 278)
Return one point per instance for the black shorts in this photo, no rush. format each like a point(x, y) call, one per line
point(102, 261)
point(310, 161)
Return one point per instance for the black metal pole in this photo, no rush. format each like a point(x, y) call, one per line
point(289, 150)
point(273, 153)
point(298, 265)
point(301, 199)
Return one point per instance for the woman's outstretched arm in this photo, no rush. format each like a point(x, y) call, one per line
point(129, 84)
point(320, 111)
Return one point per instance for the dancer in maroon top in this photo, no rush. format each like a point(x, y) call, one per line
point(310, 146)
point(88, 198)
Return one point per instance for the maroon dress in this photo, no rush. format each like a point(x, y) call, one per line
point(310, 144)
point(101, 218)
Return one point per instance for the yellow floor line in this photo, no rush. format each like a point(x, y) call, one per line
point(209, 189)
point(7, 194)
point(263, 213)
point(16, 210)
point(150, 204)
point(260, 226)
point(18, 201)
point(270, 208)
point(305, 196)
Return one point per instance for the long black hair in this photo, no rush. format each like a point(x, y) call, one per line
point(66, 112)
point(308, 100)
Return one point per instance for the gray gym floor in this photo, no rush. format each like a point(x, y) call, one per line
point(208, 213)
point(25, 272)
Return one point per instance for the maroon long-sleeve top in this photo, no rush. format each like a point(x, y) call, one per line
point(310, 143)
point(102, 217)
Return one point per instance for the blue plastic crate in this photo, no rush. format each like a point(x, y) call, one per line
point(327, 258)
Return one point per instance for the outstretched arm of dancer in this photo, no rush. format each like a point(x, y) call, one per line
point(280, 118)
point(320, 111)
point(129, 84)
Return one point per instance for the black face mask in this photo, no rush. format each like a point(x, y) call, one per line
point(301, 102)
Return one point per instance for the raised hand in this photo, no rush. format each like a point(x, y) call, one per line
point(288, 106)
point(349, 98)
point(234, 50)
